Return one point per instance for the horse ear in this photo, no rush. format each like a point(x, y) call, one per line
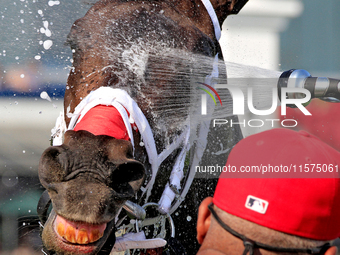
point(127, 178)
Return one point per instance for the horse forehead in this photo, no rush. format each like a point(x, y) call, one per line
point(102, 19)
point(83, 141)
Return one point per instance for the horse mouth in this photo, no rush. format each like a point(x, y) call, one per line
point(80, 237)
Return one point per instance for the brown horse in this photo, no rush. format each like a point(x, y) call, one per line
point(124, 47)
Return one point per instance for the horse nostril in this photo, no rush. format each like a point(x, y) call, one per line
point(123, 191)
point(127, 178)
point(52, 188)
point(50, 166)
point(52, 152)
point(127, 172)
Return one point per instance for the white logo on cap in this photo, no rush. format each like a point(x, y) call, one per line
point(256, 204)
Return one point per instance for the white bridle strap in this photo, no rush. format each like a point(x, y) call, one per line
point(99, 98)
point(210, 9)
point(201, 140)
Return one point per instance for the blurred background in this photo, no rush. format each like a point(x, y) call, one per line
point(272, 34)
point(33, 59)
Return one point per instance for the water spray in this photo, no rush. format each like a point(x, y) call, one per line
point(324, 88)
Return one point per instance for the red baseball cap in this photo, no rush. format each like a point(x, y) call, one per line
point(322, 123)
point(305, 207)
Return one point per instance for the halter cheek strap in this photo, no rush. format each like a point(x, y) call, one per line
point(210, 9)
point(217, 28)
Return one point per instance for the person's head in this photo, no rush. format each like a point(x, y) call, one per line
point(283, 215)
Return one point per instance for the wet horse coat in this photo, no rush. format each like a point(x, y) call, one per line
point(96, 169)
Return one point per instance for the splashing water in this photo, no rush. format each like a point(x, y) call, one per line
point(47, 44)
point(45, 30)
point(45, 96)
point(52, 3)
point(176, 95)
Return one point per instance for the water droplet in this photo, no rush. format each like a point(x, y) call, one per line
point(52, 3)
point(47, 44)
point(48, 33)
point(45, 96)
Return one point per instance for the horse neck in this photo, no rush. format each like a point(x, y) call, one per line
point(195, 10)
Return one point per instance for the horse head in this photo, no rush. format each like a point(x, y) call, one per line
point(119, 44)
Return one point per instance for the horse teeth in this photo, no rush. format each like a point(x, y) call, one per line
point(70, 234)
point(77, 232)
point(95, 235)
point(61, 229)
point(82, 237)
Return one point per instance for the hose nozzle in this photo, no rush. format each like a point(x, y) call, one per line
point(324, 88)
